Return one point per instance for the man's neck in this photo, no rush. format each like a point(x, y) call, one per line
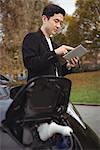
point(44, 32)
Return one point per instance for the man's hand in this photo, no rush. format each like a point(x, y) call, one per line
point(73, 62)
point(62, 50)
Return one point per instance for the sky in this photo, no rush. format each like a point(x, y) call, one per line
point(68, 5)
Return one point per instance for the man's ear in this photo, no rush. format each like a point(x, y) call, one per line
point(44, 18)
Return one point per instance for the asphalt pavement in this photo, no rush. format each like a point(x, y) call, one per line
point(91, 116)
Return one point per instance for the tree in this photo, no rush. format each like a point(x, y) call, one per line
point(88, 15)
point(18, 17)
point(73, 36)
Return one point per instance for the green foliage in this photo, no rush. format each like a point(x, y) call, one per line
point(73, 36)
point(84, 26)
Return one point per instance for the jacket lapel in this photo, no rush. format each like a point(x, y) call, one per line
point(43, 40)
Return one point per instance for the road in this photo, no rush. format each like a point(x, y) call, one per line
point(91, 115)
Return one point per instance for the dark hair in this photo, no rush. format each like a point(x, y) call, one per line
point(52, 9)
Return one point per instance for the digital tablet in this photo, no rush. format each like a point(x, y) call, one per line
point(78, 51)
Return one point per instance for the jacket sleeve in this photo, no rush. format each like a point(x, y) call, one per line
point(66, 70)
point(32, 59)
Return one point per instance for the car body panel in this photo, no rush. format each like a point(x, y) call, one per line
point(83, 134)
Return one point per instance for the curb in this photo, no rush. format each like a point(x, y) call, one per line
point(86, 104)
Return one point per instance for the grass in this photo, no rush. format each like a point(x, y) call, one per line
point(85, 87)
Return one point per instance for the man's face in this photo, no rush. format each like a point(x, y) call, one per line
point(53, 24)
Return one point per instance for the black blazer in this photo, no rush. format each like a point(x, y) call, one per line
point(37, 57)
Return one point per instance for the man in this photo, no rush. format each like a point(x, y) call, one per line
point(41, 57)
point(40, 53)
